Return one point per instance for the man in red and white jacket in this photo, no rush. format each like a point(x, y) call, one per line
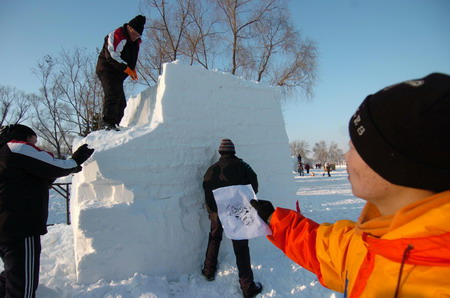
point(26, 174)
point(116, 61)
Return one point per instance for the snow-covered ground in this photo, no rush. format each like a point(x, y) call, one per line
point(322, 198)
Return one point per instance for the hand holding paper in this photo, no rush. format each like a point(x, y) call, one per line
point(264, 208)
point(239, 219)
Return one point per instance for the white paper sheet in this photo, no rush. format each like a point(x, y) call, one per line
point(239, 219)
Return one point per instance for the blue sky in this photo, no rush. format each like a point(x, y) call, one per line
point(363, 47)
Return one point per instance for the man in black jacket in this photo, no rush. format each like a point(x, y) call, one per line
point(116, 61)
point(26, 174)
point(229, 170)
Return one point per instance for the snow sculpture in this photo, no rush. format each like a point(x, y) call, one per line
point(138, 204)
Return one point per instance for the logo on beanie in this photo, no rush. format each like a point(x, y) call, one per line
point(360, 130)
point(356, 120)
point(412, 83)
point(416, 83)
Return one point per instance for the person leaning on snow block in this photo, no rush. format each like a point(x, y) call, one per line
point(26, 174)
point(398, 161)
point(229, 170)
point(116, 61)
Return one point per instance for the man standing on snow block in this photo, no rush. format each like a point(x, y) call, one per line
point(229, 170)
point(26, 174)
point(398, 161)
point(116, 61)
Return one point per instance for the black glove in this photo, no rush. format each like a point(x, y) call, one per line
point(82, 154)
point(264, 208)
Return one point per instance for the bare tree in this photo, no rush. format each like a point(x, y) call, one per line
point(165, 36)
point(336, 155)
point(298, 69)
point(80, 90)
point(69, 101)
point(151, 60)
point(172, 26)
point(14, 105)
point(320, 152)
point(201, 38)
point(300, 147)
point(273, 33)
point(48, 117)
point(254, 39)
point(240, 17)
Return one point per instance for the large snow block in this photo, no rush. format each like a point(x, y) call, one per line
point(138, 204)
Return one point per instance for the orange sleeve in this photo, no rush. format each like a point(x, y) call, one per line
point(322, 249)
point(296, 236)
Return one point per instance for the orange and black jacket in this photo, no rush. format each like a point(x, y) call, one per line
point(403, 255)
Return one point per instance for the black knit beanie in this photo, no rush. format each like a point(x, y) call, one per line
point(403, 132)
point(16, 131)
point(226, 147)
point(138, 23)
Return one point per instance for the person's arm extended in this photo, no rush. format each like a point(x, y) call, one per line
point(322, 249)
point(40, 163)
point(296, 236)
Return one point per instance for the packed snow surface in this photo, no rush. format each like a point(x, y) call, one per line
point(139, 199)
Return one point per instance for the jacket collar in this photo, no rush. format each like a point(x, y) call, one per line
point(421, 226)
point(422, 218)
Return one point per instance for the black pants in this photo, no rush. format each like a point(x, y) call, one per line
point(241, 251)
point(114, 102)
point(20, 277)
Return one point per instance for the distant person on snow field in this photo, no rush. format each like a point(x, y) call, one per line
point(116, 61)
point(26, 174)
point(398, 161)
point(300, 170)
point(229, 170)
point(307, 167)
point(327, 169)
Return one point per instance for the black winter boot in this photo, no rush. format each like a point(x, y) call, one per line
point(208, 276)
point(108, 126)
point(253, 290)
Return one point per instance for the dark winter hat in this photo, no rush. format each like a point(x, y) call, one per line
point(16, 131)
point(403, 132)
point(226, 147)
point(138, 23)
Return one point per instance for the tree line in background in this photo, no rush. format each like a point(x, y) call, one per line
point(253, 39)
point(321, 152)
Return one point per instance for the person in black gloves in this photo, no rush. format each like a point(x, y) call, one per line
point(26, 174)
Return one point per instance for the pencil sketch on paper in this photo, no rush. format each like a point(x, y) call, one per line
point(241, 213)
